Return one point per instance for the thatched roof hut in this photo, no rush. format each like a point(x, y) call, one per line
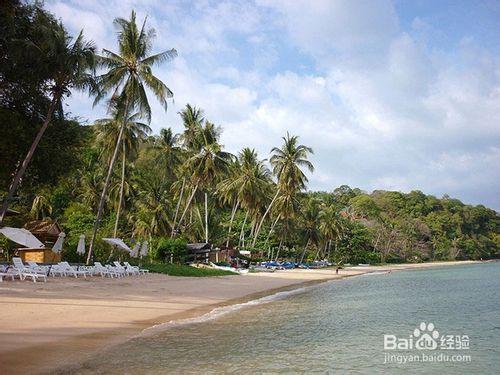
point(46, 231)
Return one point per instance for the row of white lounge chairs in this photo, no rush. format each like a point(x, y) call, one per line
point(35, 272)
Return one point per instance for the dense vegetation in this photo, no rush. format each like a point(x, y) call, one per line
point(184, 270)
point(113, 178)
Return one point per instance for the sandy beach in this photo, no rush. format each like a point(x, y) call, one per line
point(64, 321)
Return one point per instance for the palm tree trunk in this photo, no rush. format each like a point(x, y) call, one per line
point(278, 252)
point(242, 233)
point(271, 230)
point(304, 251)
point(233, 214)
point(319, 250)
point(105, 190)
point(188, 203)
point(329, 248)
point(263, 218)
point(115, 232)
point(20, 173)
point(206, 217)
point(178, 206)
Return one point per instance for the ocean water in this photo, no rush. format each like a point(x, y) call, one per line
point(335, 327)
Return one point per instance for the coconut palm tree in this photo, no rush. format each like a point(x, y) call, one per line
point(330, 227)
point(310, 224)
point(192, 119)
point(167, 144)
point(108, 130)
point(206, 165)
point(247, 185)
point(287, 163)
point(150, 214)
point(71, 63)
point(128, 74)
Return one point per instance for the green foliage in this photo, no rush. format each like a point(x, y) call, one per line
point(184, 270)
point(167, 246)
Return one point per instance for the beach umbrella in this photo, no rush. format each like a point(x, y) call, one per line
point(59, 243)
point(118, 243)
point(81, 245)
point(135, 251)
point(22, 236)
point(144, 249)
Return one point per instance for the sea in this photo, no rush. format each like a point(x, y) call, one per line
point(442, 320)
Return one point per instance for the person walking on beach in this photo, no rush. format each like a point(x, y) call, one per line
point(337, 270)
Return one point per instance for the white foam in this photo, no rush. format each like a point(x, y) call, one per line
point(220, 311)
point(375, 273)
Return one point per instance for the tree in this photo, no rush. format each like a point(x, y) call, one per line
point(71, 63)
point(207, 165)
point(330, 227)
point(128, 74)
point(247, 185)
point(41, 208)
point(108, 130)
point(192, 119)
point(310, 224)
point(287, 162)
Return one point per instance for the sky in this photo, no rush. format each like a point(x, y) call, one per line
point(396, 95)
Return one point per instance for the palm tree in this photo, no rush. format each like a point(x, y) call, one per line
point(192, 119)
point(167, 144)
point(108, 130)
point(310, 224)
point(248, 185)
point(287, 162)
point(330, 227)
point(150, 215)
point(71, 63)
point(206, 165)
point(128, 74)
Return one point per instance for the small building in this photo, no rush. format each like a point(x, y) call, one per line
point(223, 254)
point(204, 253)
point(199, 251)
point(38, 255)
point(47, 231)
point(32, 248)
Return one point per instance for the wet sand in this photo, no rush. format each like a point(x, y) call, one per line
point(47, 325)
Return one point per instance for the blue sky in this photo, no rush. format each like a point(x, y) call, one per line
point(401, 95)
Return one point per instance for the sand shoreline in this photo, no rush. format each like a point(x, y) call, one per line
point(65, 321)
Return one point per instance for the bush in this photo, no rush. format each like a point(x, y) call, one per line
point(170, 246)
point(184, 270)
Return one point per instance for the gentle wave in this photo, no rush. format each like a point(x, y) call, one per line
point(374, 273)
point(220, 311)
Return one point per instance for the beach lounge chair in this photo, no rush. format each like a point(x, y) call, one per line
point(37, 268)
point(118, 272)
point(141, 271)
point(56, 270)
point(25, 272)
point(99, 269)
point(4, 272)
point(128, 271)
point(70, 270)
